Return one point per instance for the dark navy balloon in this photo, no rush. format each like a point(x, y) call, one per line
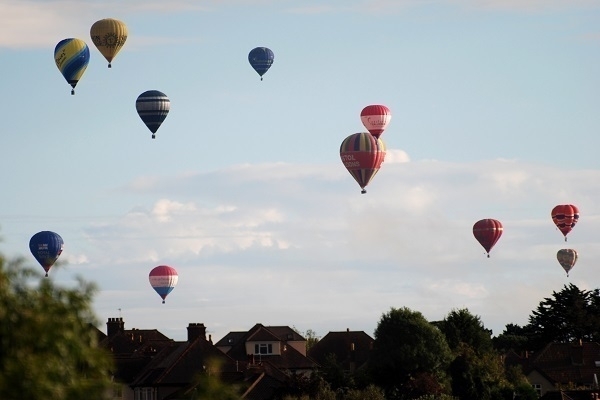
point(261, 59)
point(152, 107)
point(46, 247)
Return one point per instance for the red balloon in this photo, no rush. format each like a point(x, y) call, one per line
point(362, 155)
point(487, 232)
point(376, 118)
point(565, 216)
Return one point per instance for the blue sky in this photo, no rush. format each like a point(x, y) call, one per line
point(495, 115)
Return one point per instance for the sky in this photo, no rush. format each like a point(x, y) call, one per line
point(494, 115)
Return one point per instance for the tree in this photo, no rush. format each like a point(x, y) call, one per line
point(310, 336)
point(569, 316)
point(514, 337)
point(460, 326)
point(48, 342)
point(407, 348)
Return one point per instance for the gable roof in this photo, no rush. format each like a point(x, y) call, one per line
point(179, 363)
point(568, 362)
point(290, 358)
point(347, 347)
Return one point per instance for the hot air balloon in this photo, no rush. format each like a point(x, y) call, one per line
point(46, 247)
point(362, 155)
point(261, 59)
point(109, 35)
point(487, 232)
point(376, 118)
point(163, 279)
point(153, 107)
point(565, 216)
point(72, 57)
point(567, 259)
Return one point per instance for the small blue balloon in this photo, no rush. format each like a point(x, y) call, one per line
point(46, 247)
point(261, 59)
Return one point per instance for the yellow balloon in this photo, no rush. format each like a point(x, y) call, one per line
point(109, 35)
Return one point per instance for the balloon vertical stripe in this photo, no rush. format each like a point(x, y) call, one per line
point(109, 35)
point(362, 155)
point(375, 118)
point(487, 232)
point(565, 216)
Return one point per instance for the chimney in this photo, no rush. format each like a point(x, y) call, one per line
point(114, 326)
point(196, 330)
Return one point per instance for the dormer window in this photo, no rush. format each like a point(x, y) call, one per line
point(263, 348)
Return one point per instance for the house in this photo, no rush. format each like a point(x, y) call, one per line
point(562, 366)
point(270, 357)
point(151, 366)
point(132, 350)
point(571, 395)
point(351, 349)
point(176, 367)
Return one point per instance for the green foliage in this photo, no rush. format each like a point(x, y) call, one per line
point(408, 353)
point(310, 336)
point(208, 385)
point(513, 338)
point(437, 397)
point(568, 316)
point(462, 327)
point(477, 376)
point(48, 343)
point(324, 392)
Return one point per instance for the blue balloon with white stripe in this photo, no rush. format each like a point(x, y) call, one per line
point(152, 107)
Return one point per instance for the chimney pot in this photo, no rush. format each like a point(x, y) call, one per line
point(114, 326)
point(196, 330)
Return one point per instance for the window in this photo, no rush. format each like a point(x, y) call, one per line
point(263, 348)
point(538, 389)
point(146, 393)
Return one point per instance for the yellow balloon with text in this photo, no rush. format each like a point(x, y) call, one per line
point(109, 35)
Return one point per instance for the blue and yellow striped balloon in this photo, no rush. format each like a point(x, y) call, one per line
point(72, 57)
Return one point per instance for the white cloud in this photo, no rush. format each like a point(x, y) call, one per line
point(345, 257)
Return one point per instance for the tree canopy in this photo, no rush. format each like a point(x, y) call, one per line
point(569, 315)
point(410, 355)
point(48, 342)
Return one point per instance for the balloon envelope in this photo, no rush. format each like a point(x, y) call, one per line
point(261, 59)
point(109, 35)
point(163, 279)
point(72, 57)
point(152, 107)
point(375, 118)
point(46, 247)
point(362, 155)
point(565, 216)
point(567, 259)
point(487, 232)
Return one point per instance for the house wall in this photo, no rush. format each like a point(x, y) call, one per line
point(276, 348)
point(534, 377)
point(299, 345)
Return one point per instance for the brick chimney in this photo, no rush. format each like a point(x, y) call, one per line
point(114, 326)
point(196, 330)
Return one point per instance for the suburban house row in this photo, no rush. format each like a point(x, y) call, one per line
point(262, 360)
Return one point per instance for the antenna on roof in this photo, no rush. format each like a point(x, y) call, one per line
point(119, 313)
